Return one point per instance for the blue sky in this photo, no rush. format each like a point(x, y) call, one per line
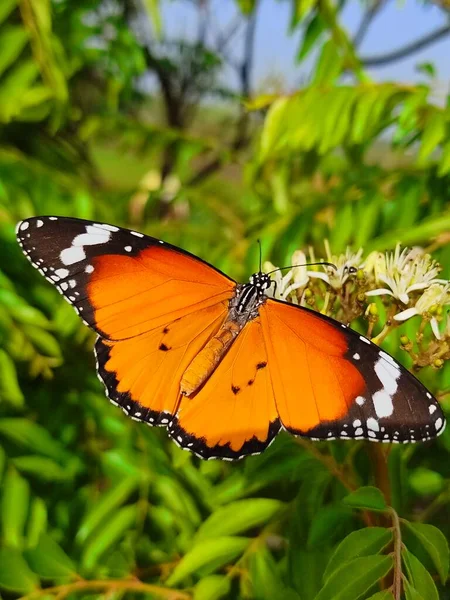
point(398, 24)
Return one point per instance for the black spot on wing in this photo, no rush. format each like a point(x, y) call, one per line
point(235, 389)
point(164, 348)
point(261, 365)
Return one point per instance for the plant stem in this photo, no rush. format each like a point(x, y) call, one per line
point(378, 456)
point(397, 583)
point(109, 585)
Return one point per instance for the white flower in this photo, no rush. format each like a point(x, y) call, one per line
point(296, 278)
point(404, 272)
point(345, 265)
point(433, 297)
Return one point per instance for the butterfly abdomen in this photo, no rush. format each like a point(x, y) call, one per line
point(209, 357)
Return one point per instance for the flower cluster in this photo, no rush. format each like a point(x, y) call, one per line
point(406, 281)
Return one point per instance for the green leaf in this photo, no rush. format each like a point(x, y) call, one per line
point(330, 64)
point(274, 120)
point(49, 560)
point(363, 542)
point(14, 508)
point(366, 498)
point(10, 390)
point(266, 578)
point(355, 578)
point(419, 577)
point(6, 7)
point(37, 522)
point(15, 575)
point(412, 594)
point(111, 532)
point(13, 39)
point(314, 29)
point(212, 587)
point(106, 506)
point(426, 482)
point(327, 523)
point(210, 554)
point(238, 517)
point(41, 467)
point(32, 436)
point(433, 134)
point(384, 595)
point(434, 543)
point(444, 162)
point(247, 6)
point(42, 340)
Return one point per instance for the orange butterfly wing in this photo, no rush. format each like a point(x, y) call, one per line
point(153, 305)
point(330, 382)
point(234, 413)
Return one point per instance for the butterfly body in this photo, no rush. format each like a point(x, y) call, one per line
point(222, 365)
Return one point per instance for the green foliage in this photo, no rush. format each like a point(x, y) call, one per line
point(88, 496)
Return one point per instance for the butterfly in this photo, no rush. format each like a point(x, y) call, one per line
point(223, 366)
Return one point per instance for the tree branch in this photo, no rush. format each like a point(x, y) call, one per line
point(366, 22)
point(400, 53)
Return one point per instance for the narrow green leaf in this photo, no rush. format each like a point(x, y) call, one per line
point(106, 506)
point(266, 579)
point(312, 34)
point(329, 65)
point(37, 522)
point(15, 575)
point(42, 340)
point(6, 7)
point(272, 124)
point(366, 497)
point(210, 553)
point(32, 436)
point(444, 162)
point(154, 12)
point(434, 543)
point(14, 508)
point(419, 577)
point(13, 39)
point(41, 467)
point(238, 517)
point(434, 133)
point(49, 560)
point(355, 578)
point(363, 542)
point(10, 390)
point(111, 532)
point(212, 587)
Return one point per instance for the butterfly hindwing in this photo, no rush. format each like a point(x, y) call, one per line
point(330, 382)
point(234, 413)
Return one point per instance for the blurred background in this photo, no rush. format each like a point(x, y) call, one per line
point(209, 124)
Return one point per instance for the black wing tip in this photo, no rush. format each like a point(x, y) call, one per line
point(200, 448)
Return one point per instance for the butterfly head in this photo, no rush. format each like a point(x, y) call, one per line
point(261, 281)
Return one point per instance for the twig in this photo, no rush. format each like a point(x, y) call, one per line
point(366, 21)
point(411, 48)
point(108, 585)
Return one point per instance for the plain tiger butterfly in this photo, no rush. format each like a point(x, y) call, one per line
point(220, 364)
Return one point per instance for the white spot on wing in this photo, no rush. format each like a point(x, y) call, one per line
point(89, 269)
point(438, 424)
point(432, 408)
point(62, 273)
point(137, 234)
point(128, 248)
point(108, 227)
point(356, 423)
point(383, 405)
point(72, 255)
point(359, 431)
point(363, 339)
point(39, 223)
point(373, 424)
point(356, 356)
point(360, 400)
point(24, 225)
point(53, 218)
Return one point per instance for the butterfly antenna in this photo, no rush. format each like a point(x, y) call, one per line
point(323, 263)
point(258, 241)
